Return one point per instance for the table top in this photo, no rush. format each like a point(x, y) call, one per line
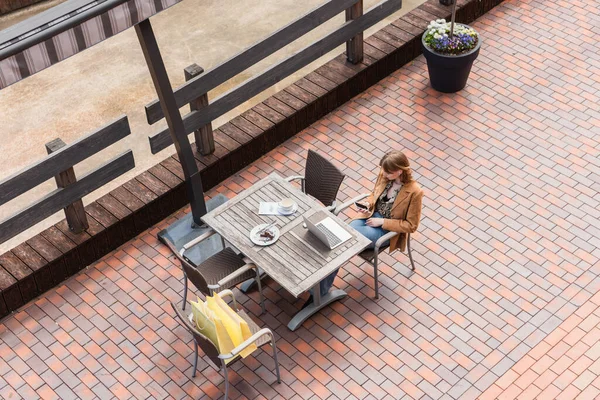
point(298, 260)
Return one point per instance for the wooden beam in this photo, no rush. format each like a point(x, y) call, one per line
point(205, 141)
point(162, 85)
point(277, 72)
point(62, 159)
point(247, 58)
point(74, 212)
point(61, 197)
point(354, 47)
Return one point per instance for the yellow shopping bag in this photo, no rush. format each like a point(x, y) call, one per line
point(234, 324)
point(211, 326)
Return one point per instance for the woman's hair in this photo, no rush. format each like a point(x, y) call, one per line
point(395, 161)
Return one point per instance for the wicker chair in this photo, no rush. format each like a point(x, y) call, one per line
point(260, 337)
point(221, 271)
point(372, 255)
point(321, 180)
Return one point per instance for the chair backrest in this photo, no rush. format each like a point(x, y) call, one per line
point(207, 346)
point(191, 272)
point(322, 179)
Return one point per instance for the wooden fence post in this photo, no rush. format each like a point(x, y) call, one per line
point(205, 142)
point(354, 46)
point(74, 212)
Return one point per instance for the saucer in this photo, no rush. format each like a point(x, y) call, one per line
point(288, 212)
point(256, 239)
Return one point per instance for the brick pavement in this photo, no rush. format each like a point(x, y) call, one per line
point(565, 365)
point(502, 302)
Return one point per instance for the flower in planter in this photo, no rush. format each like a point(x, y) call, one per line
point(444, 38)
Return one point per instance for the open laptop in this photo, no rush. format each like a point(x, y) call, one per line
point(328, 231)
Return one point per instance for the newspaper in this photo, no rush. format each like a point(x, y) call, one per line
point(268, 208)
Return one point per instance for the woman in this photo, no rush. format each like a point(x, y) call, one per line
point(393, 206)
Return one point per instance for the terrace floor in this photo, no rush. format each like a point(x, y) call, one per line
point(504, 303)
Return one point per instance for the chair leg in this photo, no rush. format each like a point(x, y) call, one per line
point(195, 359)
point(412, 263)
point(185, 289)
point(376, 275)
point(226, 376)
point(276, 361)
point(262, 300)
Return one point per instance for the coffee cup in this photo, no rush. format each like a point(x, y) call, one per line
point(286, 204)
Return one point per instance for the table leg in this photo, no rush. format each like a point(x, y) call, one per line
point(317, 304)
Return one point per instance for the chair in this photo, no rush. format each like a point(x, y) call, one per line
point(260, 337)
point(321, 180)
point(372, 255)
point(220, 271)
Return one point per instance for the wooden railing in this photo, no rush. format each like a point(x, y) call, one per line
point(201, 116)
point(59, 164)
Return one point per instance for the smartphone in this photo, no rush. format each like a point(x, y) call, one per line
point(360, 205)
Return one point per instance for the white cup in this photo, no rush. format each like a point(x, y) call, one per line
point(286, 204)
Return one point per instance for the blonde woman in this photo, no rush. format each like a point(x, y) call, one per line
point(394, 205)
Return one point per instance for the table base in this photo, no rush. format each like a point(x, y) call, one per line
point(316, 306)
point(185, 230)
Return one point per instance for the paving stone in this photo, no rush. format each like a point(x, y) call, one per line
point(507, 250)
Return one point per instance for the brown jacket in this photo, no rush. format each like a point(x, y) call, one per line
point(406, 211)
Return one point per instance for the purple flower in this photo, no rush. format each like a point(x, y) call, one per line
point(460, 43)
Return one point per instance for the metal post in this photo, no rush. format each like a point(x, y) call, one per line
point(74, 212)
point(164, 91)
point(205, 141)
point(354, 46)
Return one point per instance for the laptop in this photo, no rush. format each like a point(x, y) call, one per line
point(328, 231)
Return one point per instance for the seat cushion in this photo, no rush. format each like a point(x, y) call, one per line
point(222, 264)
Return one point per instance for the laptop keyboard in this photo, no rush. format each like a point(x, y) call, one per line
point(331, 237)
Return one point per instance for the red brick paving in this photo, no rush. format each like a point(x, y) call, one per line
point(501, 304)
point(565, 365)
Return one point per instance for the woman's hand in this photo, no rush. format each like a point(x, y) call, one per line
point(375, 222)
point(364, 210)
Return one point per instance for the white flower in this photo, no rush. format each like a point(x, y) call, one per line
point(436, 36)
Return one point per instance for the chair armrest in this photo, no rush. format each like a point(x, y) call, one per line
point(194, 242)
point(294, 178)
point(332, 207)
point(384, 239)
point(248, 342)
point(347, 204)
point(232, 276)
point(227, 292)
point(236, 273)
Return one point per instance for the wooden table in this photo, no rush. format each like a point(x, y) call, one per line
point(298, 261)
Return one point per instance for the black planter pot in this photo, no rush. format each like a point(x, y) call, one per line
point(449, 73)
